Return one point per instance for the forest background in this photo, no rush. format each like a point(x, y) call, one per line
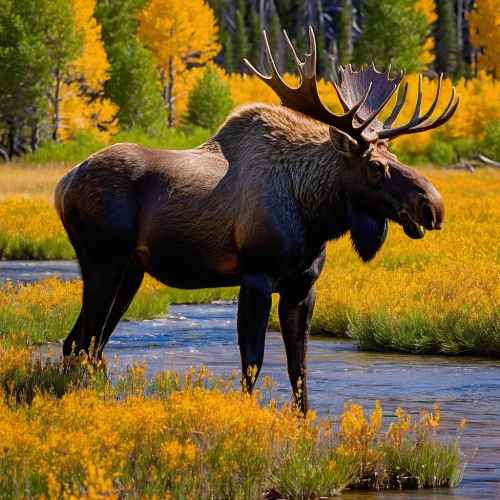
point(78, 74)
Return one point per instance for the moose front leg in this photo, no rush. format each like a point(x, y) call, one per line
point(254, 306)
point(295, 321)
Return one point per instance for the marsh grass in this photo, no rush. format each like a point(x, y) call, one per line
point(417, 456)
point(46, 311)
point(81, 428)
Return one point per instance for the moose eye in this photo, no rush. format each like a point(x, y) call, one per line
point(374, 167)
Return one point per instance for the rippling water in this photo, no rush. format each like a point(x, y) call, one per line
point(464, 387)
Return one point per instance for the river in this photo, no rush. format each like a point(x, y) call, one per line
point(464, 386)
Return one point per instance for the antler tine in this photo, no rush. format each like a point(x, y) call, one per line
point(298, 63)
point(416, 113)
point(436, 99)
point(309, 66)
point(413, 126)
point(397, 108)
point(274, 70)
point(441, 120)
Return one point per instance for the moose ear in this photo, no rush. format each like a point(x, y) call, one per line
point(343, 142)
point(367, 233)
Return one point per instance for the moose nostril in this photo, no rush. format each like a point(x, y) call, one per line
point(428, 215)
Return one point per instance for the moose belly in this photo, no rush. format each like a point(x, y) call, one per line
point(189, 270)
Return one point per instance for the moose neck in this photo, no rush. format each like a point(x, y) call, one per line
point(299, 156)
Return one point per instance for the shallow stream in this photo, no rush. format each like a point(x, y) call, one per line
point(464, 387)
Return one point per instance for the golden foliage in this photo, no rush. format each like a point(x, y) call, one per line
point(179, 37)
point(183, 440)
point(428, 8)
point(485, 33)
point(80, 111)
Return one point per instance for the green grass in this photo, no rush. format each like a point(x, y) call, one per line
point(85, 144)
point(412, 332)
point(24, 247)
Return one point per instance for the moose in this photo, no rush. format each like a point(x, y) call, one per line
point(252, 207)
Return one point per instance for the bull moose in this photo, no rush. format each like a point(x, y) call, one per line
point(252, 207)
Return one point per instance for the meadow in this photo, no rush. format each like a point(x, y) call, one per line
point(191, 435)
point(440, 294)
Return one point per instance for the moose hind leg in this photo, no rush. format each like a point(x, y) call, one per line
point(295, 321)
point(130, 284)
point(254, 306)
point(101, 281)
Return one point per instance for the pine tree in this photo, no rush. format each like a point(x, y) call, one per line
point(393, 33)
point(276, 41)
point(210, 101)
point(180, 38)
point(485, 34)
point(242, 43)
point(132, 83)
point(255, 36)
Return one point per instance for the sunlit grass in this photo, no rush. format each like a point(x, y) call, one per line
point(74, 428)
point(46, 311)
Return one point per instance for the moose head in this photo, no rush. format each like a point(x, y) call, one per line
point(378, 187)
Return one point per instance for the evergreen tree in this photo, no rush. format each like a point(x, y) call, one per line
point(210, 101)
point(276, 41)
point(36, 39)
point(393, 33)
point(132, 83)
point(255, 36)
point(448, 57)
point(242, 44)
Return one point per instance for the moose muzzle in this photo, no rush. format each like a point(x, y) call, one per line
point(426, 212)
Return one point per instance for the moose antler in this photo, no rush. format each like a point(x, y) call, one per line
point(305, 97)
point(360, 103)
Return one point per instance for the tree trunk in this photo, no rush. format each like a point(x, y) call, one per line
point(57, 111)
point(169, 92)
point(13, 138)
point(34, 140)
